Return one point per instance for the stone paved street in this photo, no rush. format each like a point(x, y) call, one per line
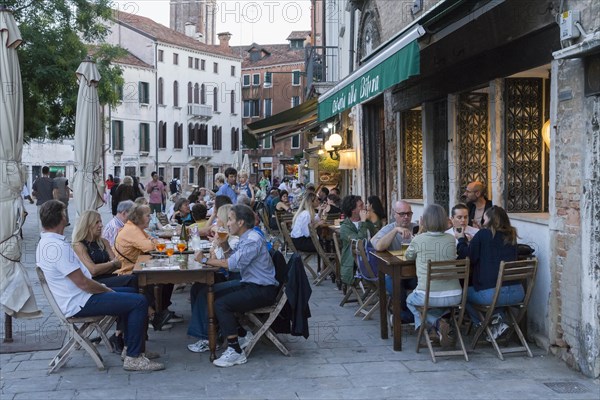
point(343, 358)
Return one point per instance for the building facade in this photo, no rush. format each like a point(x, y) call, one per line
point(181, 112)
point(194, 17)
point(488, 91)
point(272, 81)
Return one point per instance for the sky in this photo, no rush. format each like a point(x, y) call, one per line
point(260, 21)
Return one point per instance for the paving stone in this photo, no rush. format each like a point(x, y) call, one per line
point(57, 395)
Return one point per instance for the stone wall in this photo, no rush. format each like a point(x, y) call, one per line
point(574, 226)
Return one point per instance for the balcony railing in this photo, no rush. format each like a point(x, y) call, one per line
point(200, 151)
point(201, 111)
point(321, 66)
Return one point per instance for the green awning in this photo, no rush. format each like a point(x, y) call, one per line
point(394, 64)
point(305, 112)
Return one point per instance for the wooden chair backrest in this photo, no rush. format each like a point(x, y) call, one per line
point(367, 270)
point(337, 245)
point(49, 296)
point(315, 239)
point(285, 232)
point(448, 270)
point(523, 271)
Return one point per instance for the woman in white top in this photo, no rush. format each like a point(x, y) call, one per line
point(304, 216)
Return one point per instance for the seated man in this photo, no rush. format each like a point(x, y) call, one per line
point(392, 237)
point(257, 287)
point(78, 295)
point(118, 222)
point(460, 218)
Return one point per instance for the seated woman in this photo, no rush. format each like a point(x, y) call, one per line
point(495, 242)
point(435, 245)
point(95, 253)
point(284, 203)
point(182, 214)
point(130, 243)
point(302, 219)
point(198, 326)
point(331, 206)
point(199, 216)
point(376, 212)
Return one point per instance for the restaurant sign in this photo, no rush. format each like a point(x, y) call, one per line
point(391, 71)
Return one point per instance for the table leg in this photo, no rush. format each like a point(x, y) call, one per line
point(383, 307)
point(397, 309)
point(158, 298)
point(142, 291)
point(212, 331)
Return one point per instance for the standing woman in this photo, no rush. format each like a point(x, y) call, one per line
point(494, 243)
point(302, 219)
point(109, 185)
point(376, 212)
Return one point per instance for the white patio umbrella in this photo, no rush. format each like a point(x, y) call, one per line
point(245, 164)
point(236, 160)
point(87, 186)
point(16, 295)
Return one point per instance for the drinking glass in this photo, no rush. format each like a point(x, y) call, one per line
point(170, 250)
point(160, 246)
point(181, 245)
point(222, 233)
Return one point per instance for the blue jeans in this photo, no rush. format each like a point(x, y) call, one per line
point(198, 326)
point(405, 285)
point(129, 306)
point(418, 299)
point(508, 295)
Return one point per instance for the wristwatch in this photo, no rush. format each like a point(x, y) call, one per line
point(204, 260)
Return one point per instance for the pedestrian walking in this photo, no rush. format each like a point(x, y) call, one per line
point(42, 190)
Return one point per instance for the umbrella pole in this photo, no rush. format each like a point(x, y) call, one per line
point(8, 337)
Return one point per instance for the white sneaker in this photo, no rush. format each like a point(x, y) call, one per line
point(199, 347)
point(230, 358)
point(245, 341)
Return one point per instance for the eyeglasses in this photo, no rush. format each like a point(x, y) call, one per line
point(404, 214)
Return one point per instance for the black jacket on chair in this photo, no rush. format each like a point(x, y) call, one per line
point(298, 292)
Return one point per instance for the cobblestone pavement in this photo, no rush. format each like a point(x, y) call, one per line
point(344, 357)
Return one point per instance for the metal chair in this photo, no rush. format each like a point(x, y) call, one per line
point(522, 272)
point(78, 335)
point(445, 270)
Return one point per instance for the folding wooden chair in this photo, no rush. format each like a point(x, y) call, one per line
point(264, 317)
point(328, 264)
point(338, 258)
point(445, 270)
point(78, 335)
point(369, 280)
point(348, 290)
point(285, 232)
point(523, 272)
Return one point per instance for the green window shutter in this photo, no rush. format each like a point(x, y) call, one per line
point(147, 141)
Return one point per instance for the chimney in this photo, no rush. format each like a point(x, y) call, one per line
point(190, 29)
point(224, 38)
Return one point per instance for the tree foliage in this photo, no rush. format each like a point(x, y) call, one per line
point(55, 33)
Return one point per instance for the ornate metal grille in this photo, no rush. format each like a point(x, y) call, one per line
point(472, 128)
point(412, 155)
point(523, 156)
point(440, 154)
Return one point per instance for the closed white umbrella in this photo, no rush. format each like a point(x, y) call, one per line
point(87, 185)
point(16, 295)
point(236, 160)
point(245, 164)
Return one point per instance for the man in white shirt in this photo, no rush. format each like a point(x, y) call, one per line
point(460, 219)
point(78, 295)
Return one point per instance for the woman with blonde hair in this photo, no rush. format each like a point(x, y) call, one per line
point(95, 253)
point(305, 216)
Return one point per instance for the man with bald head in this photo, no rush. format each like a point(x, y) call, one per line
point(477, 202)
point(392, 237)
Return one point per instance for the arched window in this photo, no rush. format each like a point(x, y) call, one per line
point(160, 91)
point(196, 94)
point(190, 133)
point(233, 101)
point(190, 93)
point(175, 94)
point(162, 135)
point(215, 99)
point(203, 94)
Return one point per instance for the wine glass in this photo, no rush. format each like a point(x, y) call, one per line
point(160, 246)
point(170, 250)
point(181, 245)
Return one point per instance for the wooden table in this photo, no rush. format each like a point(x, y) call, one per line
point(188, 271)
point(399, 269)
